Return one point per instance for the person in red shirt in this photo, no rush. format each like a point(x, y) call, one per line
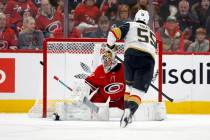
point(48, 19)
point(109, 78)
point(171, 36)
point(14, 10)
point(2, 5)
point(73, 31)
point(87, 12)
point(8, 38)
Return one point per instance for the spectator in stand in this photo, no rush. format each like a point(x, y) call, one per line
point(171, 36)
point(186, 19)
point(8, 38)
point(48, 19)
point(24, 14)
point(37, 3)
point(208, 27)
point(168, 8)
point(29, 38)
point(107, 5)
point(187, 34)
point(112, 12)
point(123, 15)
point(201, 44)
point(73, 31)
point(14, 10)
point(73, 4)
point(141, 4)
point(157, 20)
point(87, 12)
point(202, 11)
point(130, 3)
point(60, 6)
point(2, 5)
point(103, 28)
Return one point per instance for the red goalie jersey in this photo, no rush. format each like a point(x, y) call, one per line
point(111, 84)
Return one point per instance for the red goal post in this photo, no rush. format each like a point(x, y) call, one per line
point(55, 48)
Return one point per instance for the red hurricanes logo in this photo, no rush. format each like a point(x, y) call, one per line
point(3, 44)
point(53, 26)
point(2, 76)
point(114, 88)
point(7, 75)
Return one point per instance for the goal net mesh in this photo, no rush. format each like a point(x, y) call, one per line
point(70, 60)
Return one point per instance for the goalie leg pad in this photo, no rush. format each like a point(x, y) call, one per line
point(151, 112)
point(73, 111)
point(82, 112)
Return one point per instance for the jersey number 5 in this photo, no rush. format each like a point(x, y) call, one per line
point(146, 36)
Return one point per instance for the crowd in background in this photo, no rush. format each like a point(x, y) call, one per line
point(181, 25)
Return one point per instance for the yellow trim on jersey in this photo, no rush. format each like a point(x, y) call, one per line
point(130, 82)
point(126, 97)
point(140, 49)
point(135, 99)
point(117, 33)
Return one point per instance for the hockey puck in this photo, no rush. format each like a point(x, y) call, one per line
point(56, 117)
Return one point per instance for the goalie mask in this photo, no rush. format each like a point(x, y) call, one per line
point(108, 60)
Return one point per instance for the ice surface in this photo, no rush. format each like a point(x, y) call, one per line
point(175, 127)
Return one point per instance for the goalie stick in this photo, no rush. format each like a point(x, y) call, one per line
point(86, 101)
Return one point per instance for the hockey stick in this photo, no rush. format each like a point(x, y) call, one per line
point(57, 79)
point(86, 101)
point(85, 67)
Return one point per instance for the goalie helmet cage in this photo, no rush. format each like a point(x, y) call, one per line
point(78, 47)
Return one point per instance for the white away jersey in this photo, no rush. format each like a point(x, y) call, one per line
point(137, 36)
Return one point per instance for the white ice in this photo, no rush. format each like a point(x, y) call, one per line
point(175, 127)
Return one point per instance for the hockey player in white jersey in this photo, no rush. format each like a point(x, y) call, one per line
point(139, 53)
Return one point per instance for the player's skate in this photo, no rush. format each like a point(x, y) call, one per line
point(126, 118)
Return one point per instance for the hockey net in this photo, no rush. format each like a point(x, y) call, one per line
point(63, 57)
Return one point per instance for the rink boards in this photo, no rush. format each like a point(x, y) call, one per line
point(185, 77)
